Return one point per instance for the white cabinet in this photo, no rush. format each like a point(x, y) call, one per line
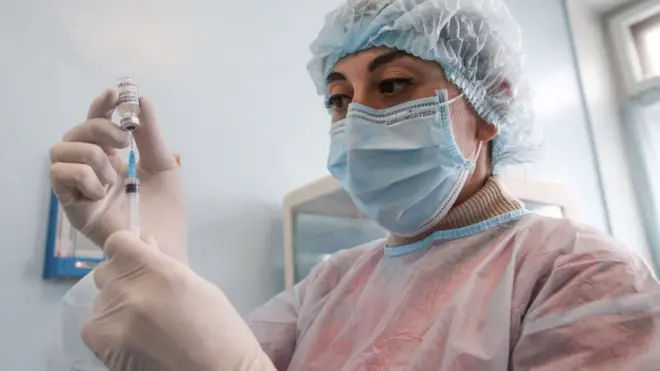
point(320, 219)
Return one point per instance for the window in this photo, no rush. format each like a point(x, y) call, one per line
point(643, 129)
point(635, 36)
point(649, 120)
point(647, 41)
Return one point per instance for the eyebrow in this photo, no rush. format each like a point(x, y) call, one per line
point(375, 64)
point(384, 59)
point(335, 76)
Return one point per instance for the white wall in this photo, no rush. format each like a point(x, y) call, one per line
point(559, 108)
point(600, 89)
point(229, 83)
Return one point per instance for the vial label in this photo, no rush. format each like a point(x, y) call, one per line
point(128, 98)
point(127, 83)
point(128, 92)
point(128, 104)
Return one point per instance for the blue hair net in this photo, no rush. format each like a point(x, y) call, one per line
point(476, 42)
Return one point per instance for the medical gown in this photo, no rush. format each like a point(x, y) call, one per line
point(531, 294)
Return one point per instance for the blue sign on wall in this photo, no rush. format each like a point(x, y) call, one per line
point(69, 254)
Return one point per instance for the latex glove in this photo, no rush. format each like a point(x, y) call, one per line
point(84, 177)
point(155, 314)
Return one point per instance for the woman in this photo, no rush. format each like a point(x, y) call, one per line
point(428, 104)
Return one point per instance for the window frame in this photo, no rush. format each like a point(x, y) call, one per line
point(628, 62)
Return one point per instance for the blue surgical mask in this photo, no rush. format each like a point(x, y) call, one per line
point(401, 165)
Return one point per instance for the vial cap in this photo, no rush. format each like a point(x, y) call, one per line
point(129, 123)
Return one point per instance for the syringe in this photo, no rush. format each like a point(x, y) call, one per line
point(128, 107)
point(132, 185)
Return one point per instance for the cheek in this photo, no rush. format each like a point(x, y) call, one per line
point(464, 127)
point(426, 91)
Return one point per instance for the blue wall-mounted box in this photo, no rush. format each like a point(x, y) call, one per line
point(69, 254)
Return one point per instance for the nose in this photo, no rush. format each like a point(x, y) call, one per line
point(365, 96)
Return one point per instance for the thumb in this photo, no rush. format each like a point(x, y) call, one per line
point(150, 240)
point(125, 246)
point(154, 156)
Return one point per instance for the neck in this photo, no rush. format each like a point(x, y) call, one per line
point(488, 202)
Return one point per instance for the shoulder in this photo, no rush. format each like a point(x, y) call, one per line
point(327, 274)
point(575, 263)
point(320, 281)
point(339, 263)
point(565, 239)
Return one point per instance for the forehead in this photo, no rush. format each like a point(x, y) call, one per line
point(361, 57)
point(365, 61)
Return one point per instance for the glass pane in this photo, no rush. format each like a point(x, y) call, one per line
point(647, 38)
point(317, 237)
point(71, 243)
point(549, 210)
point(652, 130)
point(652, 40)
point(650, 201)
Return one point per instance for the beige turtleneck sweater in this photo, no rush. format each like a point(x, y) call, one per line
point(490, 201)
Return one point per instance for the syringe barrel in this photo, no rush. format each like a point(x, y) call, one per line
point(132, 187)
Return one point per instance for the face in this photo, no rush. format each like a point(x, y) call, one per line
point(382, 77)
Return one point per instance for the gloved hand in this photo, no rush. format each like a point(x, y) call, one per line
point(85, 178)
point(155, 314)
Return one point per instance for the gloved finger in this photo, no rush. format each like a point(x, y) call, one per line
point(90, 337)
point(101, 274)
point(121, 258)
point(107, 331)
point(154, 156)
point(117, 163)
point(104, 105)
point(69, 180)
point(85, 153)
point(104, 274)
point(101, 132)
point(150, 241)
point(127, 256)
point(100, 336)
point(123, 247)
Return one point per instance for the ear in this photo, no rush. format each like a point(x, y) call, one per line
point(486, 132)
point(506, 88)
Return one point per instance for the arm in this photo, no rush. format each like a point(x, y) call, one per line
point(279, 323)
point(596, 310)
point(275, 326)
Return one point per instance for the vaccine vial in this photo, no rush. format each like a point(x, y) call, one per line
point(128, 104)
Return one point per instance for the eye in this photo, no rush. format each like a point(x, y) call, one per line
point(394, 86)
point(338, 102)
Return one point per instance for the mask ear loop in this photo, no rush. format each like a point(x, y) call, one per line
point(476, 152)
point(454, 99)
